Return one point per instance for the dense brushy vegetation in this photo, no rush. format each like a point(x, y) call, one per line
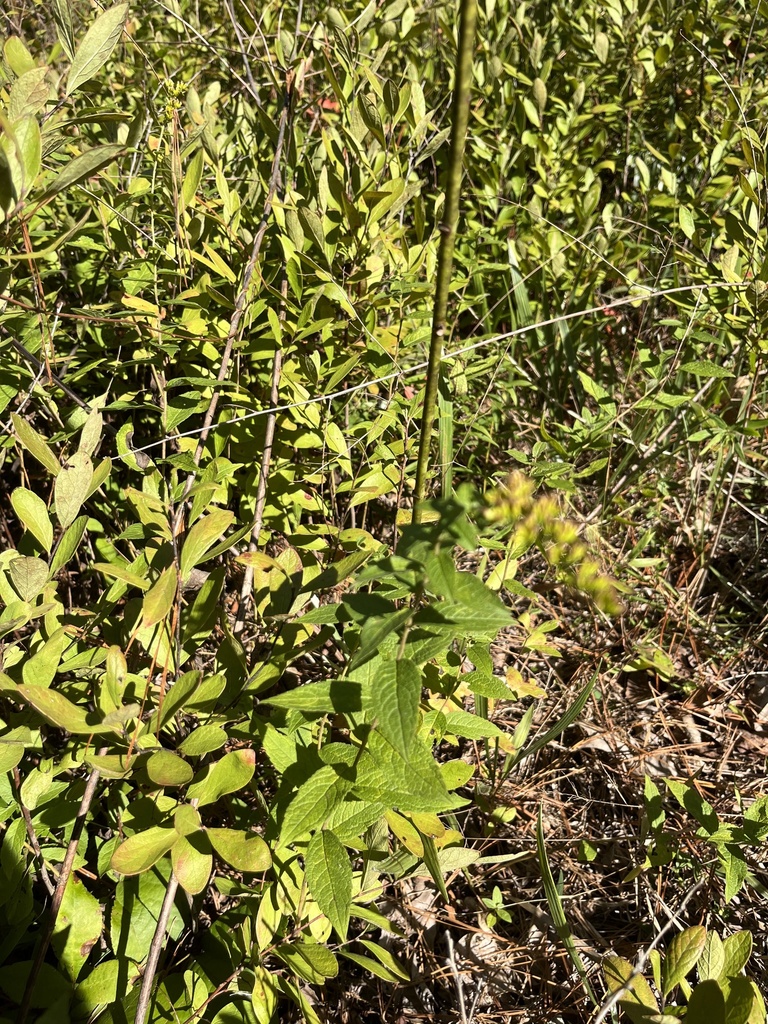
point(245, 701)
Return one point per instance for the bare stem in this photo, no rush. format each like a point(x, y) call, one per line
point(467, 20)
point(158, 939)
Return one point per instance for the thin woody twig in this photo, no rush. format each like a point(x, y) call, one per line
point(642, 959)
point(145, 995)
point(240, 303)
point(261, 487)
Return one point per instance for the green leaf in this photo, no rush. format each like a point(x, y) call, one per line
point(707, 1004)
point(687, 221)
point(80, 168)
point(555, 904)
point(29, 94)
point(181, 693)
point(372, 967)
point(244, 851)
point(72, 487)
point(29, 149)
point(192, 862)
point(35, 444)
point(394, 703)
point(705, 368)
point(712, 960)
point(737, 949)
point(167, 769)
point(62, 15)
point(90, 435)
point(456, 773)
point(639, 998)
point(682, 955)
point(329, 877)
point(412, 784)
point(138, 853)
point(119, 572)
point(29, 575)
point(112, 766)
point(56, 709)
point(135, 911)
point(33, 515)
point(385, 957)
point(203, 740)
point(205, 532)
point(99, 989)
point(97, 45)
point(311, 962)
point(159, 600)
point(736, 870)
point(19, 58)
point(740, 1001)
point(340, 695)
point(186, 819)
point(562, 723)
point(68, 544)
point(227, 775)
point(471, 727)
point(78, 926)
point(40, 669)
point(312, 804)
point(192, 176)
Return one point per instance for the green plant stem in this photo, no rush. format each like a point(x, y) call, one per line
point(460, 119)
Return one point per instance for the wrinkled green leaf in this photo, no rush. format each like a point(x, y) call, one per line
point(329, 876)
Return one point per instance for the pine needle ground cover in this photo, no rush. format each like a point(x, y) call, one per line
point(281, 736)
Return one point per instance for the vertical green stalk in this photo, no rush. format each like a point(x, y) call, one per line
point(460, 118)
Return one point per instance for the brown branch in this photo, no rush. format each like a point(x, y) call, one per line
point(145, 995)
point(32, 836)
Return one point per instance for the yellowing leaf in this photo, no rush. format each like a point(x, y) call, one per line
point(138, 853)
point(72, 487)
point(167, 769)
point(159, 600)
point(192, 862)
point(205, 532)
point(523, 687)
point(244, 851)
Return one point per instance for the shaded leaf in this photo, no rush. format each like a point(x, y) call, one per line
point(228, 775)
point(192, 862)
